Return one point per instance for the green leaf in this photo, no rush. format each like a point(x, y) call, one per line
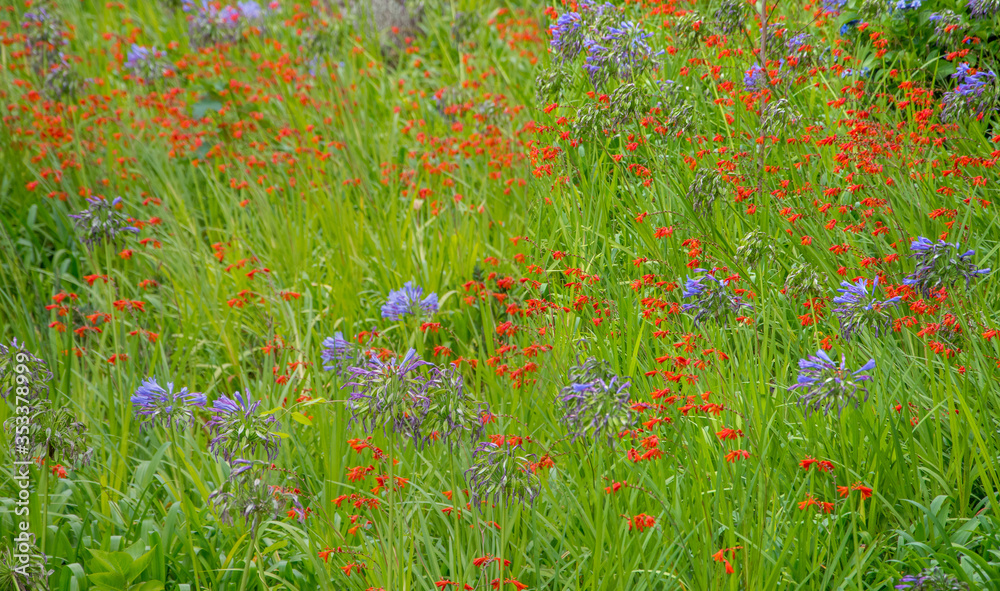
point(202, 107)
point(115, 581)
point(301, 418)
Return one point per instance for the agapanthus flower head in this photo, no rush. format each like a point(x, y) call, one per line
point(858, 309)
point(21, 372)
point(256, 492)
point(102, 221)
point(154, 404)
point(712, 298)
point(337, 351)
point(834, 6)
point(931, 579)
point(209, 23)
point(407, 301)
point(978, 92)
point(451, 412)
point(755, 78)
point(617, 51)
point(145, 63)
point(595, 401)
point(983, 9)
point(731, 16)
point(53, 434)
point(392, 394)
point(940, 265)
point(826, 384)
point(803, 280)
point(501, 474)
point(752, 248)
point(906, 5)
point(567, 35)
point(23, 564)
point(239, 429)
point(949, 28)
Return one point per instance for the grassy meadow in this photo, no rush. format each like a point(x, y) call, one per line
point(614, 232)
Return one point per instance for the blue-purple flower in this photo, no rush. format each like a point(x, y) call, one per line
point(596, 401)
point(407, 301)
point(826, 384)
point(755, 78)
point(983, 9)
point(146, 63)
point(500, 474)
point(102, 221)
point(336, 352)
point(391, 395)
point(712, 298)
point(859, 310)
point(154, 404)
point(931, 579)
point(239, 429)
point(978, 91)
point(940, 265)
point(567, 35)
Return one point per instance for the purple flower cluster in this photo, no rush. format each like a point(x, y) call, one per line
point(391, 394)
point(239, 429)
point(145, 63)
point(827, 384)
point(154, 404)
point(595, 400)
point(407, 301)
point(336, 352)
point(248, 493)
point(21, 372)
point(711, 298)
point(567, 35)
point(755, 78)
point(501, 475)
point(102, 221)
point(931, 579)
point(621, 52)
point(940, 265)
point(208, 24)
point(858, 310)
point(977, 92)
point(983, 9)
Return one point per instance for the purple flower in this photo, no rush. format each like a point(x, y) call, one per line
point(336, 350)
point(567, 38)
point(154, 404)
point(102, 221)
point(857, 310)
point(407, 301)
point(256, 493)
point(595, 400)
point(976, 93)
point(826, 384)
point(931, 579)
point(500, 475)
point(391, 395)
point(938, 266)
point(983, 9)
point(711, 298)
point(755, 78)
point(23, 373)
point(239, 430)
